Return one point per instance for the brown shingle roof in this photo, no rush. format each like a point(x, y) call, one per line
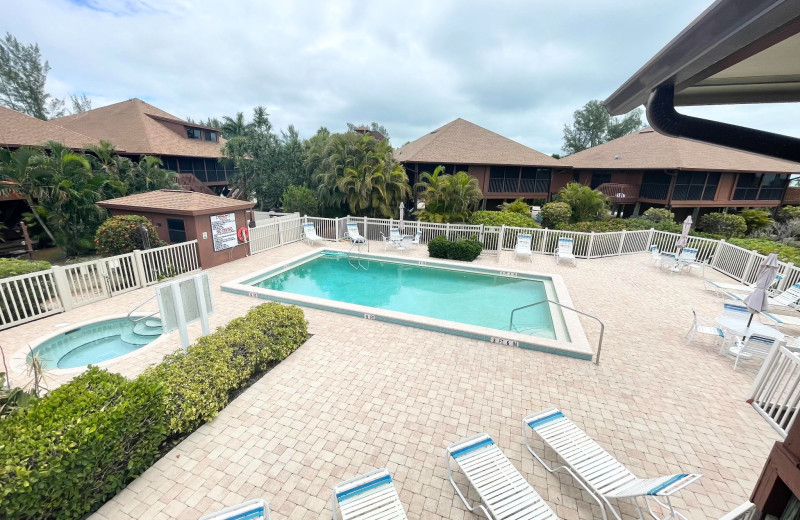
point(176, 202)
point(462, 142)
point(140, 128)
point(17, 129)
point(648, 149)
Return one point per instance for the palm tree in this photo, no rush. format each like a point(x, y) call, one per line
point(148, 175)
point(586, 203)
point(448, 198)
point(234, 126)
point(22, 174)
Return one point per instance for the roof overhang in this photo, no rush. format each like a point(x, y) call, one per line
point(736, 51)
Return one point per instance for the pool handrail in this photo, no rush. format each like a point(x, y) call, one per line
point(602, 325)
point(142, 317)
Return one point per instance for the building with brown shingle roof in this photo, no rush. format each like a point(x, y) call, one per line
point(646, 169)
point(18, 129)
point(505, 169)
point(139, 128)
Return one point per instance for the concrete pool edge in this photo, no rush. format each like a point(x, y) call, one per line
point(19, 360)
point(578, 346)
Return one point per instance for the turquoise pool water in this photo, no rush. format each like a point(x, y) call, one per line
point(96, 342)
point(465, 297)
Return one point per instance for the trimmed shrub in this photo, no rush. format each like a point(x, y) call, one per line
point(659, 215)
point(67, 453)
point(502, 218)
point(465, 250)
point(198, 382)
point(555, 214)
point(121, 234)
point(31, 299)
point(785, 252)
point(518, 206)
point(756, 219)
point(300, 199)
point(725, 224)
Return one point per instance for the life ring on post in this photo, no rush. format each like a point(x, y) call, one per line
point(243, 234)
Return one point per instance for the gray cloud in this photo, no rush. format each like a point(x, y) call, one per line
point(517, 68)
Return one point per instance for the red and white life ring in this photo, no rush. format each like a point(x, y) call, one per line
point(243, 234)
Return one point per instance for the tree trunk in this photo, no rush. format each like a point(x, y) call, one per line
point(41, 223)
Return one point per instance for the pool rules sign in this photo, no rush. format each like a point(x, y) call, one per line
point(223, 231)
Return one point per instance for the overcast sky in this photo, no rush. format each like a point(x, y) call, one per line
point(517, 68)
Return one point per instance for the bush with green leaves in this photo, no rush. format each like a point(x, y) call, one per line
point(121, 234)
point(198, 382)
point(300, 199)
point(787, 213)
point(466, 249)
point(34, 294)
point(518, 206)
point(785, 252)
point(555, 214)
point(659, 215)
point(502, 218)
point(725, 224)
point(64, 455)
point(756, 219)
point(586, 203)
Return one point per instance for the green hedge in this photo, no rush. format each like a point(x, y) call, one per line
point(199, 381)
point(555, 214)
point(785, 253)
point(119, 235)
point(502, 218)
point(466, 250)
point(70, 451)
point(620, 224)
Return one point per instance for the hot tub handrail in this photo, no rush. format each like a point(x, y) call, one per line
point(602, 325)
point(137, 308)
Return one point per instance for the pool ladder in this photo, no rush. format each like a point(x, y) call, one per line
point(357, 264)
point(602, 325)
point(140, 318)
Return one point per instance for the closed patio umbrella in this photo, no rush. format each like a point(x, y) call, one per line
point(684, 239)
point(757, 301)
point(401, 224)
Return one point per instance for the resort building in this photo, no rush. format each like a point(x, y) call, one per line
point(137, 128)
point(505, 169)
point(646, 169)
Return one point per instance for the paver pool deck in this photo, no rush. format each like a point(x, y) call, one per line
point(362, 394)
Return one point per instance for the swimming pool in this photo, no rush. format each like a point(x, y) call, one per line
point(96, 342)
point(453, 297)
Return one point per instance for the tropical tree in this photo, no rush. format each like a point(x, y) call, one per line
point(593, 125)
point(448, 198)
point(587, 204)
point(22, 174)
point(234, 126)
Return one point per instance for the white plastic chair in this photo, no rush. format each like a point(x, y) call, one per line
point(417, 238)
point(655, 255)
point(753, 346)
point(355, 236)
point(504, 493)
point(252, 509)
point(564, 251)
point(596, 470)
point(700, 328)
point(310, 234)
point(523, 247)
point(371, 496)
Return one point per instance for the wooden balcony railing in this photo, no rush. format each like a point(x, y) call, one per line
point(619, 193)
point(792, 196)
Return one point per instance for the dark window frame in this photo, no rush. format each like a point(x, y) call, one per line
point(762, 190)
point(194, 133)
point(175, 233)
point(693, 190)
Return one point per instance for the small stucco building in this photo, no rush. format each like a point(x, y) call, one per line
point(181, 216)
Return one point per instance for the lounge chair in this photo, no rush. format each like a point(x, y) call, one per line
point(787, 300)
point(417, 238)
point(596, 470)
point(371, 496)
point(394, 239)
point(753, 346)
point(354, 235)
point(730, 290)
point(655, 255)
point(564, 251)
point(252, 509)
point(504, 493)
point(700, 328)
point(310, 234)
point(523, 246)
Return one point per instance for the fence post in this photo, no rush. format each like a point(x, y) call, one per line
point(280, 233)
point(591, 242)
point(336, 230)
point(366, 224)
point(63, 288)
point(141, 272)
point(501, 239)
point(785, 280)
point(544, 240)
point(650, 238)
point(621, 243)
point(447, 231)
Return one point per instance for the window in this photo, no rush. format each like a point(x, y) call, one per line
point(599, 178)
point(655, 186)
point(535, 180)
point(193, 133)
point(504, 179)
point(759, 186)
point(695, 186)
point(211, 135)
point(177, 230)
point(185, 165)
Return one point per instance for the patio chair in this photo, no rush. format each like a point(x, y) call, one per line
point(252, 509)
point(699, 328)
point(596, 470)
point(655, 255)
point(736, 291)
point(355, 236)
point(417, 238)
point(394, 239)
point(523, 247)
point(788, 299)
point(735, 309)
point(371, 496)
point(753, 346)
point(564, 251)
point(783, 319)
point(504, 493)
point(310, 234)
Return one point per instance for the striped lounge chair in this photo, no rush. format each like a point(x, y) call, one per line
point(603, 476)
point(251, 510)
point(504, 493)
point(371, 496)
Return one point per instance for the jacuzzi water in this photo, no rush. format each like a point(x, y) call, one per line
point(96, 342)
point(480, 299)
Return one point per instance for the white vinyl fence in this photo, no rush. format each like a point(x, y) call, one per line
point(775, 393)
point(30, 296)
